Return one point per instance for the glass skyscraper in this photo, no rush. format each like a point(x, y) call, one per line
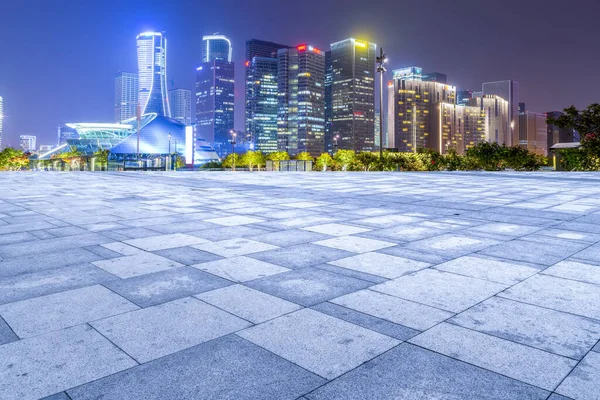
point(509, 91)
point(216, 47)
point(181, 106)
point(27, 142)
point(126, 96)
point(352, 95)
point(152, 73)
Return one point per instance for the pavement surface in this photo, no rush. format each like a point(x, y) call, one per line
point(311, 286)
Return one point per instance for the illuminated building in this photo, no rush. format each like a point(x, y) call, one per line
point(181, 105)
point(509, 91)
point(456, 127)
point(352, 95)
point(435, 77)
point(216, 47)
point(261, 102)
point(1, 119)
point(301, 100)
point(65, 133)
point(408, 73)
point(533, 132)
point(463, 97)
point(329, 142)
point(215, 103)
point(152, 73)
point(497, 116)
point(126, 95)
point(27, 142)
point(559, 135)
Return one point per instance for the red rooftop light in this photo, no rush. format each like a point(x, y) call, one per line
point(302, 47)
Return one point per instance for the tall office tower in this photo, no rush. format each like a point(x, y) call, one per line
point(265, 51)
point(152, 73)
point(27, 142)
point(409, 109)
point(126, 96)
point(216, 47)
point(1, 119)
point(559, 135)
point(377, 128)
point(261, 102)
point(329, 141)
point(463, 97)
point(509, 91)
point(181, 105)
point(497, 117)
point(215, 104)
point(456, 127)
point(353, 94)
point(435, 77)
point(533, 132)
point(301, 100)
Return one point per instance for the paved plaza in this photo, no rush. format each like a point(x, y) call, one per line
point(299, 286)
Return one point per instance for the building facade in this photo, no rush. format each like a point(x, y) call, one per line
point(216, 47)
point(64, 134)
point(435, 77)
point(497, 117)
point(261, 102)
point(456, 127)
point(152, 74)
point(27, 143)
point(181, 106)
point(301, 100)
point(126, 96)
point(509, 91)
point(533, 132)
point(352, 95)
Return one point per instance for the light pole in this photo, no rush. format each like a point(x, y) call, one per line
point(381, 69)
point(233, 135)
point(336, 143)
point(138, 114)
point(170, 155)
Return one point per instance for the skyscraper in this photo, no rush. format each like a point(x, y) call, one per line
point(509, 91)
point(1, 119)
point(126, 96)
point(463, 97)
point(533, 131)
point(497, 117)
point(216, 47)
point(352, 96)
point(301, 100)
point(181, 105)
point(152, 73)
point(329, 137)
point(27, 142)
point(435, 77)
point(261, 102)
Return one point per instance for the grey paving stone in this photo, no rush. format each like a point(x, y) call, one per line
point(441, 289)
point(136, 265)
point(51, 245)
point(235, 220)
point(382, 326)
point(50, 363)
point(58, 396)
point(597, 348)
point(240, 269)
point(548, 253)
point(558, 294)
point(380, 264)
point(249, 304)
point(185, 227)
point(187, 255)
point(163, 242)
point(206, 371)
point(592, 253)
point(512, 230)
point(42, 234)
point(6, 334)
point(355, 244)
point(529, 365)
point(68, 231)
point(553, 331)
point(122, 248)
point(301, 256)
point(320, 343)
point(352, 273)
point(584, 382)
point(61, 310)
point(234, 247)
point(336, 229)
point(25, 286)
point(136, 233)
point(308, 286)
point(154, 332)
point(576, 271)
point(488, 269)
point(160, 287)
point(229, 232)
point(555, 396)
point(406, 233)
point(411, 373)
point(401, 251)
point(570, 235)
point(290, 237)
point(451, 245)
point(103, 252)
point(389, 220)
point(10, 238)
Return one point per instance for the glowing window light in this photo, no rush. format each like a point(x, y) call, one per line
point(302, 47)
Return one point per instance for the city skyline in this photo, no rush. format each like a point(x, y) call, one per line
point(91, 67)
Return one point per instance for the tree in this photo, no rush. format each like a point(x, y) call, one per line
point(304, 156)
point(13, 159)
point(277, 157)
point(367, 160)
point(228, 161)
point(253, 159)
point(72, 157)
point(488, 156)
point(102, 158)
point(343, 159)
point(323, 162)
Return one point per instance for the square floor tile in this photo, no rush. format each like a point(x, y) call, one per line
point(553, 331)
point(548, 253)
point(157, 331)
point(488, 269)
point(234, 220)
point(308, 286)
point(300, 256)
point(50, 363)
point(406, 233)
point(320, 343)
point(355, 244)
point(249, 304)
point(394, 309)
point(240, 269)
point(290, 237)
point(136, 265)
point(440, 289)
point(336, 229)
point(163, 242)
point(385, 221)
point(451, 245)
point(508, 358)
point(235, 247)
point(584, 382)
point(188, 255)
point(122, 248)
point(576, 271)
point(380, 264)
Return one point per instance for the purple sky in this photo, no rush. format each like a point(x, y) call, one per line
point(59, 57)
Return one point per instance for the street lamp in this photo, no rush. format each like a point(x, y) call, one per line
point(381, 69)
point(233, 135)
point(336, 143)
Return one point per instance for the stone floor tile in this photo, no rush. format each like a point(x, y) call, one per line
point(451, 245)
point(33, 263)
point(385, 221)
point(380, 264)
point(570, 235)
point(155, 243)
point(301, 256)
point(240, 269)
point(122, 248)
point(529, 365)
point(229, 232)
point(505, 229)
point(352, 273)
point(576, 271)
point(553, 331)
point(249, 304)
point(555, 396)
point(408, 372)
point(136, 265)
point(488, 269)
point(308, 286)
point(234, 247)
point(336, 229)
point(559, 294)
point(354, 244)
point(406, 233)
point(187, 255)
point(534, 252)
point(440, 289)
point(290, 237)
point(47, 364)
point(154, 332)
point(6, 334)
point(10, 238)
point(61, 310)
point(103, 251)
point(160, 287)
point(136, 233)
point(58, 396)
point(393, 309)
point(51, 245)
point(318, 342)
point(235, 220)
point(206, 371)
point(584, 382)
point(591, 254)
point(597, 348)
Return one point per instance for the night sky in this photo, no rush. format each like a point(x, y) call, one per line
point(58, 58)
